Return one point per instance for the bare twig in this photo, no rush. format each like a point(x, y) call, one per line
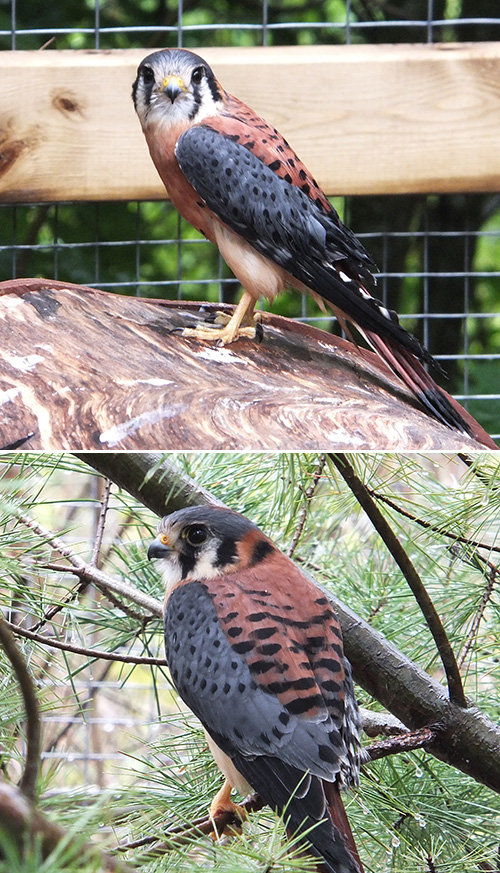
point(80, 650)
point(101, 522)
point(308, 497)
point(29, 778)
point(488, 591)
point(425, 603)
point(435, 528)
point(403, 743)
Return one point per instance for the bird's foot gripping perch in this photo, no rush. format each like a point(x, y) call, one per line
point(223, 805)
point(224, 328)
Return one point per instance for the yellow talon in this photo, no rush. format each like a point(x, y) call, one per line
point(239, 324)
point(221, 804)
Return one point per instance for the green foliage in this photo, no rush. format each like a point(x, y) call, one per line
point(124, 760)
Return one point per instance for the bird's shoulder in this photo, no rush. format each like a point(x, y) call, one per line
point(241, 124)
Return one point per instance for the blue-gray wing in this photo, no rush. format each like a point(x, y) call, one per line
point(215, 682)
point(286, 225)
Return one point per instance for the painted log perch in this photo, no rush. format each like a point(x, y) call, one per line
point(86, 369)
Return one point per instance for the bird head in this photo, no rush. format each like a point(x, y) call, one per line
point(202, 542)
point(175, 86)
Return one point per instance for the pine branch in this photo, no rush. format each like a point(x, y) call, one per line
point(492, 578)
point(206, 825)
point(435, 528)
point(224, 821)
point(467, 740)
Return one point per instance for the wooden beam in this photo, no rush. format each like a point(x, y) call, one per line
point(366, 119)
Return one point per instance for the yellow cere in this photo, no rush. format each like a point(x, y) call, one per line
point(176, 80)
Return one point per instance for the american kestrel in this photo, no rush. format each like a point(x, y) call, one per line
point(236, 180)
point(255, 650)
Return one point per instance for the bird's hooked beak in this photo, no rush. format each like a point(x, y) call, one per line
point(159, 548)
point(173, 86)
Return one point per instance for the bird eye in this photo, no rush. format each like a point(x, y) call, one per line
point(197, 75)
point(196, 534)
point(148, 75)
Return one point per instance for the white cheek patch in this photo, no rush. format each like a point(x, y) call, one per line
point(207, 106)
point(205, 567)
point(206, 564)
point(171, 571)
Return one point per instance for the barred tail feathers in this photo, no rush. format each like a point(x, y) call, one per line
point(414, 375)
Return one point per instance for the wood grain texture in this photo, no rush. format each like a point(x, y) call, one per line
point(85, 369)
point(365, 119)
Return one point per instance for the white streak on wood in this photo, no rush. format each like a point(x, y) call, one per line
point(118, 432)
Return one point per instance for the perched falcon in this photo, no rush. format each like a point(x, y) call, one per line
point(255, 650)
point(237, 181)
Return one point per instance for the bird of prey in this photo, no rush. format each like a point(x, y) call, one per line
point(255, 650)
point(236, 180)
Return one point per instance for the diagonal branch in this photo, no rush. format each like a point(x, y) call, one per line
point(89, 574)
point(406, 566)
point(33, 726)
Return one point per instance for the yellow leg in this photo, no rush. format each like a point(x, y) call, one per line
point(233, 330)
point(222, 803)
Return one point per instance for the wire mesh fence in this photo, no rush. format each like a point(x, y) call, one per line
point(438, 255)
